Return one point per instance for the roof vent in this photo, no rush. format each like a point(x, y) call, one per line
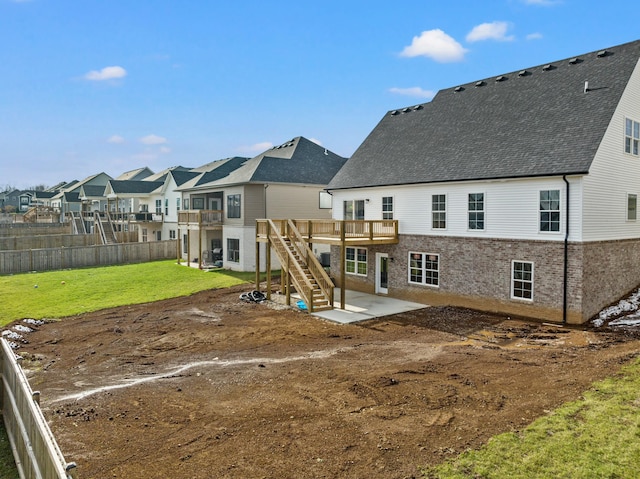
point(501, 78)
point(406, 110)
point(480, 83)
point(458, 89)
point(394, 112)
point(548, 67)
point(523, 73)
point(417, 107)
point(574, 61)
point(602, 53)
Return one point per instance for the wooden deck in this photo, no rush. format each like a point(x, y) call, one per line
point(337, 232)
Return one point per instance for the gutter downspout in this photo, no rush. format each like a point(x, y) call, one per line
point(566, 256)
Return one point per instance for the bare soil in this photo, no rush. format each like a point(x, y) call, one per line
point(211, 387)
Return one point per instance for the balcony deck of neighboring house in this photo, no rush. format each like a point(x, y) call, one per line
point(200, 219)
point(140, 217)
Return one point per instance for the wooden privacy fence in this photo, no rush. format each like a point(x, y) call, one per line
point(35, 450)
point(49, 259)
point(29, 229)
point(46, 241)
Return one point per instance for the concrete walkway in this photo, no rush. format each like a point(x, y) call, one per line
point(363, 306)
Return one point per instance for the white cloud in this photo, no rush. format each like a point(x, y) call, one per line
point(164, 150)
point(153, 140)
point(490, 31)
point(316, 141)
point(534, 36)
point(117, 139)
point(437, 45)
point(107, 73)
point(415, 91)
point(256, 148)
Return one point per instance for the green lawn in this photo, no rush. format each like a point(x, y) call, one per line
point(57, 294)
point(597, 436)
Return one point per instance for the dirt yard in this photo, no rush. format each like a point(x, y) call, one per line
point(211, 387)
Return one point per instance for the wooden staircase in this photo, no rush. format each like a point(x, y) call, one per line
point(78, 224)
point(307, 276)
point(104, 227)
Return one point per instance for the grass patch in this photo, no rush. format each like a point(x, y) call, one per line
point(595, 437)
point(58, 294)
point(8, 469)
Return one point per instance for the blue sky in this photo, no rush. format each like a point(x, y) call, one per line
point(109, 85)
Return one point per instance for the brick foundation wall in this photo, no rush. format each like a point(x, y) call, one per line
point(611, 271)
point(476, 273)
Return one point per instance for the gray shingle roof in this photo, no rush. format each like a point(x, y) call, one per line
point(134, 186)
point(537, 122)
point(297, 161)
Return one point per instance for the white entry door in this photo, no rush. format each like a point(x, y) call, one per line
point(382, 273)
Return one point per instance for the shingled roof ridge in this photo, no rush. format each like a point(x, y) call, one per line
point(543, 67)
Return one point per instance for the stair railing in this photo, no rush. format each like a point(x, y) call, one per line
point(311, 262)
point(300, 280)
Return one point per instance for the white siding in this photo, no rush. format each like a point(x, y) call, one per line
point(613, 175)
point(511, 207)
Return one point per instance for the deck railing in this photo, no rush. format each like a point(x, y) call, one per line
point(337, 229)
point(201, 217)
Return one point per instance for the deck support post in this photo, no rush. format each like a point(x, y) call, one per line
point(343, 265)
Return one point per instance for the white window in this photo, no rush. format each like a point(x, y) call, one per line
point(550, 210)
point(632, 137)
point(233, 250)
point(476, 211)
point(166, 206)
point(387, 207)
point(145, 234)
point(233, 206)
point(324, 201)
point(177, 204)
point(158, 207)
point(353, 210)
point(438, 211)
point(356, 261)
point(522, 280)
point(632, 207)
point(424, 268)
point(172, 234)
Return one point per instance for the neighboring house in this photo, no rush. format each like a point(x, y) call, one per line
point(68, 201)
point(93, 198)
point(223, 203)
point(515, 194)
point(137, 174)
point(129, 206)
point(150, 205)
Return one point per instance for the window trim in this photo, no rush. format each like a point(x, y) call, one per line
point(231, 258)
point(550, 211)
point(423, 269)
point(389, 213)
point(356, 261)
point(354, 210)
point(483, 211)
point(325, 198)
point(531, 281)
point(439, 212)
point(232, 210)
point(631, 133)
